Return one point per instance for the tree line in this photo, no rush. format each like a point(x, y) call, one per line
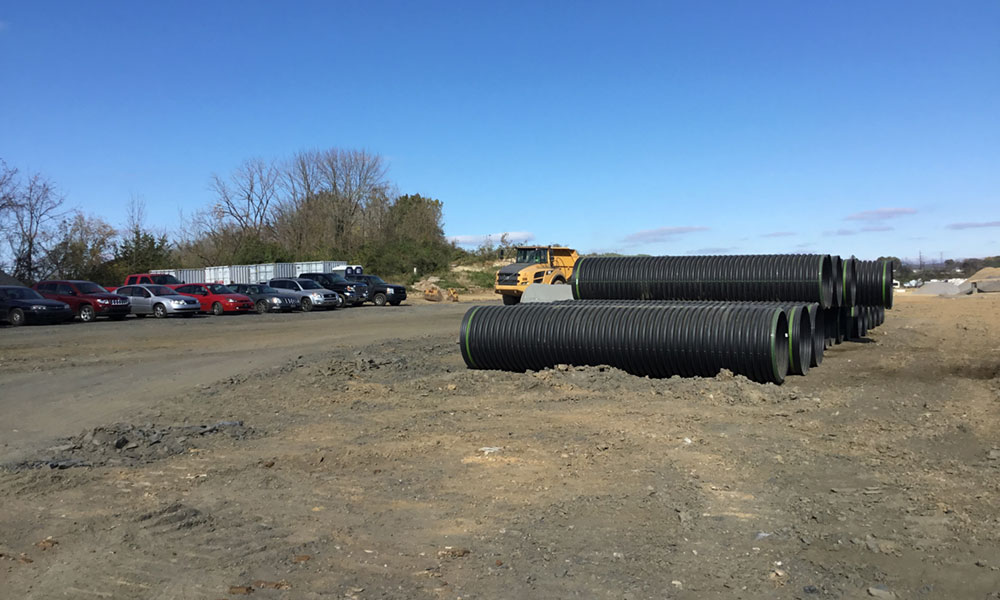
point(329, 204)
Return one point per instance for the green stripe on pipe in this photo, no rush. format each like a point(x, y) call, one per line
point(468, 326)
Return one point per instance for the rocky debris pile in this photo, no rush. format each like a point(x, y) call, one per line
point(128, 445)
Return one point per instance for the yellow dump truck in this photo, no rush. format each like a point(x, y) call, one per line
point(534, 264)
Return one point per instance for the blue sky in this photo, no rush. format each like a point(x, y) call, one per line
point(865, 128)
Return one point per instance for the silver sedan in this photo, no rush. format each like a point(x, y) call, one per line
point(158, 300)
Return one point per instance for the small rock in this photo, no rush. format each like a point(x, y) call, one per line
point(994, 454)
point(453, 552)
point(810, 589)
point(452, 387)
point(880, 592)
point(299, 558)
point(240, 590)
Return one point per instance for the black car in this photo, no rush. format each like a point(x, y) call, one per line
point(25, 305)
point(266, 298)
point(354, 292)
point(379, 291)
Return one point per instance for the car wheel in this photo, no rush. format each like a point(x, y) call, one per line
point(510, 300)
point(261, 306)
point(340, 302)
point(217, 309)
point(558, 281)
point(395, 302)
point(307, 304)
point(16, 317)
point(86, 313)
point(159, 311)
point(379, 299)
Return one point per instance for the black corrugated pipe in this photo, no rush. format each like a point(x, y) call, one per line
point(838, 280)
point(818, 335)
point(875, 282)
point(802, 335)
point(769, 277)
point(658, 341)
point(848, 274)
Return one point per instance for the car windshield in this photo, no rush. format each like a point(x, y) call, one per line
point(309, 284)
point(160, 290)
point(165, 279)
point(90, 288)
point(264, 289)
point(375, 279)
point(531, 255)
point(334, 278)
point(217, 288)
point(17, 293)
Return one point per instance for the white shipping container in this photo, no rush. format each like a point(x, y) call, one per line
point(190, 275)
point(241, 274)
point(220, 274)
point(330, 265)
point(310, 266)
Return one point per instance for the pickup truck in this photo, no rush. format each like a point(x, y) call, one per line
point(380, 292)
point(354, 293)
point(149, 279)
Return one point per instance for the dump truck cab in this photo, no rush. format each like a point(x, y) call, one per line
point(534, 264)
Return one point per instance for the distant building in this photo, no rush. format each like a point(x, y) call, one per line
point(6, 279)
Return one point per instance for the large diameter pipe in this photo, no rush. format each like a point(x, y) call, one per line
point(658, 341)
point(770, 277)
point(802, 335)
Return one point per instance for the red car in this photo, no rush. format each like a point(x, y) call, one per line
point(87, 299)
point(215, 297)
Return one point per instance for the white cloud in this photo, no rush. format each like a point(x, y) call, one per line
point(661, 234)
point(514, 237)
point(974, 225)
point(880, 213)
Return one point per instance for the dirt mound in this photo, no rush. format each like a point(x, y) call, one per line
point(985, 273)
point(129, 445)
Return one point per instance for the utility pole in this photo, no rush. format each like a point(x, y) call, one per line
point(920, 260)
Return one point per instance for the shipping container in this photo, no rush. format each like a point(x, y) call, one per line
point(317, 266)
point(220, 274)
point(191, 275)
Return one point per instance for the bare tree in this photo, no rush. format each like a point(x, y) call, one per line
point(247, 198)
point(34, 215)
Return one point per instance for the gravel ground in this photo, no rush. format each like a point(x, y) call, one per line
point(353, 455)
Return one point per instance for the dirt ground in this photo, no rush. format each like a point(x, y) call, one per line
point(352, 455)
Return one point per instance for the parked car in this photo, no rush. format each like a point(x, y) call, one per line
point(25, 305)
point(354, 293)
point(159, 301)
point(149, 278)
point(87, 299)
point(379, 291)
point(215, 297)
point(310, 294)
point(267, 299)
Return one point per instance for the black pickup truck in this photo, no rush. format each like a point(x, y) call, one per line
point(379, 291)
point(353, 292)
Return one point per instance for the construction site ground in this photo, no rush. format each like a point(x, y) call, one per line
point(352, 455)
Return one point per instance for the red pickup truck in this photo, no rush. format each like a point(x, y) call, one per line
point(150, 278)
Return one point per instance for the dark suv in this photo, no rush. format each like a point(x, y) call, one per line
point(87, 299)
point(379, 291)
point(354, 292)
